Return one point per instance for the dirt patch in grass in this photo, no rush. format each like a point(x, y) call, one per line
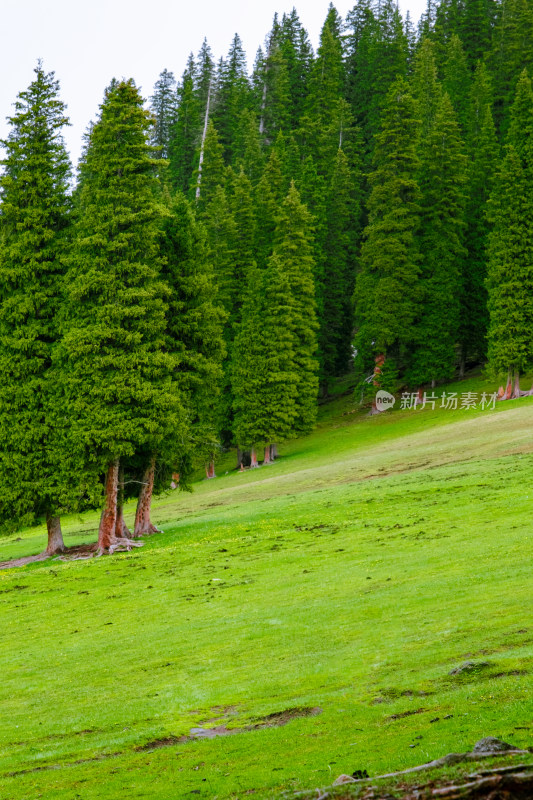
point(407, 714)
point(276, 720)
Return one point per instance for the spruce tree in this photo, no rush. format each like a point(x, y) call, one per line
point(163, 105)
point(297, 55)
point(269, 195)
point(222, 247)
point(117, 372)
point(442, 182)
point(476, 28)
point(185, 131)
point(386, 292)
point(341, 240)
point(248, 153)
point(293, 246)
point(512, 51)
point(457, 81)
point(483, 153)
point(34, 219)
point(510, 267)
point(265, 380)
point(213, 169)
point(233, 95)
point(194, 329)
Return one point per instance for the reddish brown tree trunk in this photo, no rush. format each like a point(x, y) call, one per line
point(379, 362)
point(55, 536)
point(267, 459)
point(253, 458)
point(121, 529)
point(210, 470)
point(108, 520)
point(143, 524)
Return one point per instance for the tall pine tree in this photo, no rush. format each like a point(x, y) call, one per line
point(34, 457)
point(510, 267)
point(387, 294)
point(117, 371)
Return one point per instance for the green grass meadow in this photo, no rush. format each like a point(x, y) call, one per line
point(352, 576)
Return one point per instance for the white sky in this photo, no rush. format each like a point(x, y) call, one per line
point(88, 42)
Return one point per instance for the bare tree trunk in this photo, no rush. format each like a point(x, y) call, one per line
point(273, 451)
point(121, 529)
point(143, 524)
point(253, 458)
point(263, 107)
point(210, 470)
point(108, 520)
point(267, 459)
point(379, 363)
point(55, 536)
point(516, 388)
point(239, 458)
point(202, 147)
point(509, 387)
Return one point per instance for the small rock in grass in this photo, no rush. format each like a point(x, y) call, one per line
point(469, 666)
point(491, 745)
point(343, 779)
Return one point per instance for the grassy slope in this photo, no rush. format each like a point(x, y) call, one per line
point(352, 575)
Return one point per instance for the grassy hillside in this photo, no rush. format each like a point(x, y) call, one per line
point(316, 606)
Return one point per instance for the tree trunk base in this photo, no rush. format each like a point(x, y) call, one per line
point(117, 546)
point(148, 531)
point(55, 536)
point(143, 523)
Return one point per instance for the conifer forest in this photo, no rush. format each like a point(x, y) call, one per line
point(230, 246)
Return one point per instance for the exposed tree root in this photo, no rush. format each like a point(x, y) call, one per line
point(117, 546)
point(80, 552)
point(148, 531)
point(22, 562)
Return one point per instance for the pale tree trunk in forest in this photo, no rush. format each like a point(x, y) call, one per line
point(121, 529)
point(55, 536)
point(143, 524)
point(264, 98)
point(263, 107)
point(202, 146)
point(253, 458)
point(516, 388)
point(273, 451)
